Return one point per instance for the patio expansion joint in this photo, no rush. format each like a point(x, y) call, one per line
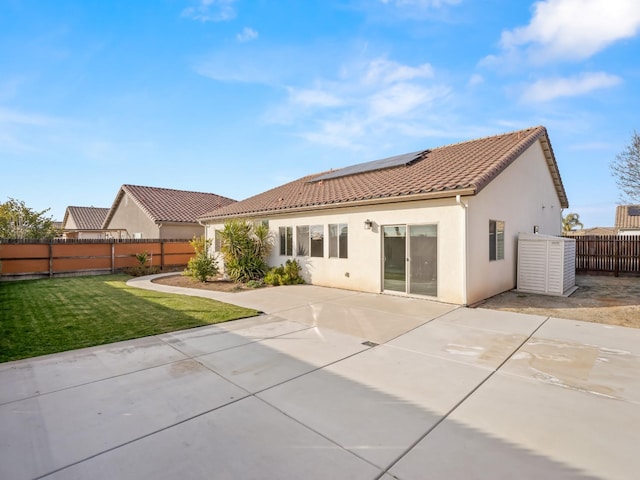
point(304, 425)
point(98, 380)
point(421, 325)
point(250, 342)
point(141, 437)
point(243, 397)
point(320, 434)
point(457, 405)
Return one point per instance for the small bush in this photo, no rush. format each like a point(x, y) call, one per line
point(144, 266)
point(287, 274)
point(255, 284)
point(139, 271)
point(143, 258)
point(202, 265)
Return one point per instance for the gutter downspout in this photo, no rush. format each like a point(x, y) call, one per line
point(212, 248)
point(465, 248)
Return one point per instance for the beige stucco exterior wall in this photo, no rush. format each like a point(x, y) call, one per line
point(362, 270)
point(177, 230)
point(522, 196)
point(70, 223)
point(130, 217)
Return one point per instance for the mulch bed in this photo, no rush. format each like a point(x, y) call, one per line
point(217, 284)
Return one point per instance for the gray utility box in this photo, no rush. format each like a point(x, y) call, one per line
point(546, 264)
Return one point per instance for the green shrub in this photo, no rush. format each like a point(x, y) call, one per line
point(245, 246)
point(287, 274)
point(255, 284)
point(202, 265)
point(143, 258)
point(245, 269)
point(144, 266)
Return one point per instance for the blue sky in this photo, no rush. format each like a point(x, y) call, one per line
point(236, 97)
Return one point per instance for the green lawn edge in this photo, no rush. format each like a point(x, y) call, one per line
point(41, 317)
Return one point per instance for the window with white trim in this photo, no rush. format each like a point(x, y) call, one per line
point(286, 240)
point(302, 240)
point(338, 240)
point(316, 240)
point(496, 240)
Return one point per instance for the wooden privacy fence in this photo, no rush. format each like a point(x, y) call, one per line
point(617, 254)
point(35, 259)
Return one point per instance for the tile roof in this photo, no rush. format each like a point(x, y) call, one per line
point(461, 168)
point(628, 216)
point(592, 231)
point(168, 205)
point(86, 218)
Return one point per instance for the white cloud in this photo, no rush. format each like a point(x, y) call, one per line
point(420, 3)
point(549, 89)
point(342, 132)
point(364, 98)
point(20, 118)
point(367, 99)
point(574, 29)
point(475, 79)
point(211, 11)
point(383, 71)
point(402, 98)
point(313, 98)
point(247, 35)
point(253, 63)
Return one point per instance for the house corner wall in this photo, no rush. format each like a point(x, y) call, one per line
point(523, 196)
point(130, 218)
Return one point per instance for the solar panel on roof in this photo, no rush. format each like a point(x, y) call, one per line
point(634, 211)
point(389, 162)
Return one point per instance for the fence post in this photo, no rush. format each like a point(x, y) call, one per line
point(113, 256)
point(162, 255)
point(50, 258)
point(616, 259)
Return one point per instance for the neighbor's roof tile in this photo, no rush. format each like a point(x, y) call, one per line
point(169, 205)
point(465, 166)
point(87, 218)
point(628, 216)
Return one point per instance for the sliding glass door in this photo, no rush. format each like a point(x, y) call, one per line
point(395, 258)
point(410, 262)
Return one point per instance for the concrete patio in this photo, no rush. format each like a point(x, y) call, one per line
point(333, 384)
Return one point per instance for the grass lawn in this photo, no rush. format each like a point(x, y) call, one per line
point(38, 317)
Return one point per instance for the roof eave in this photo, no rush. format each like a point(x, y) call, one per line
point(352, 203)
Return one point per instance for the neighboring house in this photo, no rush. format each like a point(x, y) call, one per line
point(592, 231)
point(628, 219)
point(151, 212)
point(84, 222)
point(440, 223)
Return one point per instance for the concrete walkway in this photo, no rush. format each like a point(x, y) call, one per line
point(304, 392)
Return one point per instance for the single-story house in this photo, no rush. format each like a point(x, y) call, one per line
point(441, 223)
point(84, 222)
point(592, 231)
point(152, 212)
point(628, 219)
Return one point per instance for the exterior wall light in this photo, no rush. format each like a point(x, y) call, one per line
point(368, 224)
